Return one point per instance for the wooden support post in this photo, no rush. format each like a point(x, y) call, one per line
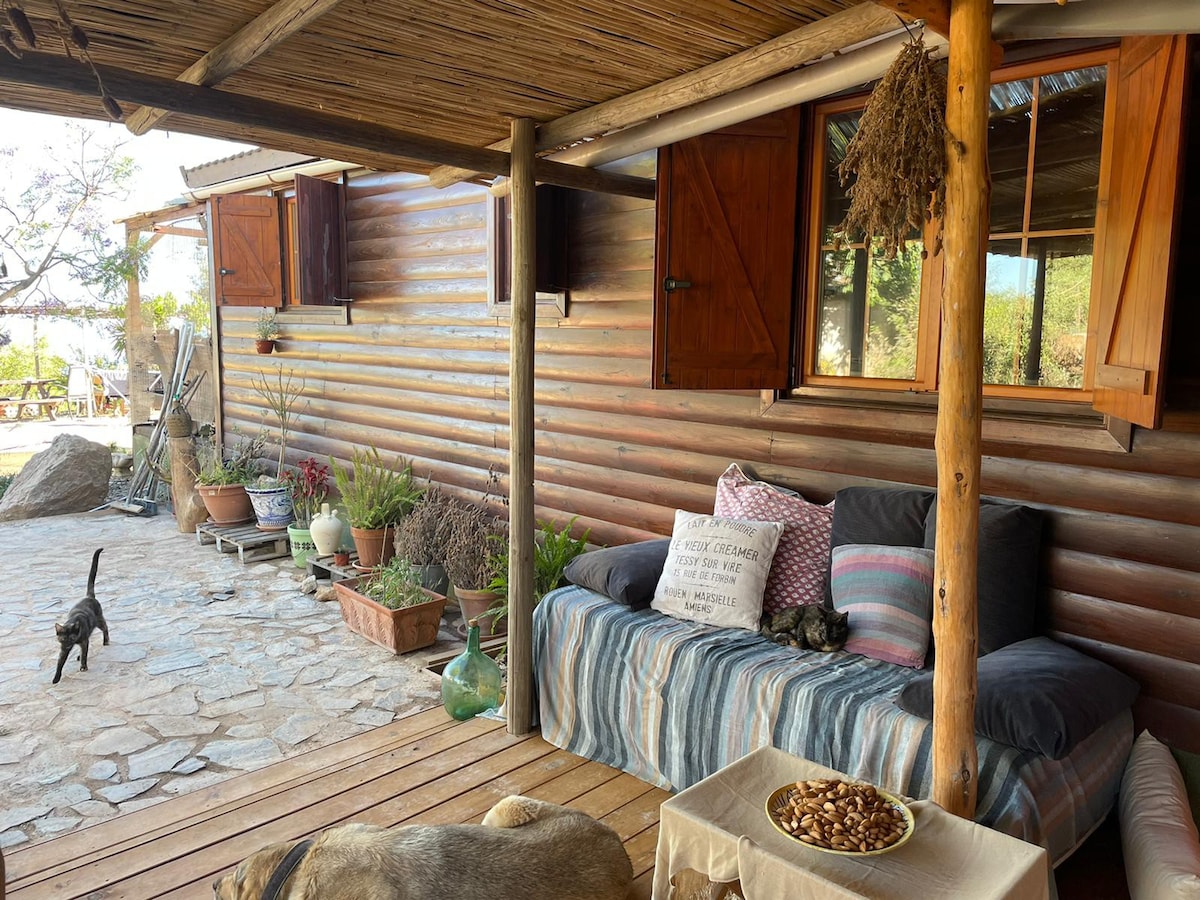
point(520, 452)
point(960, 403)
point(189, 507)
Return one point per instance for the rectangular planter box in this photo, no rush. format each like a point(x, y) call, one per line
point(398, 630)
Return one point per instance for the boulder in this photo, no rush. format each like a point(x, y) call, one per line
point(69, 476)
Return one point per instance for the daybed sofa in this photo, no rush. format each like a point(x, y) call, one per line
point(672, 701)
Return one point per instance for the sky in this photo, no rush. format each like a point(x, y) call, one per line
point(158, 155)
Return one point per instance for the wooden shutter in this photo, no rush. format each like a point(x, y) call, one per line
point(320, 240)
point(1136, 243)
point(246, 250)
point(727, 226)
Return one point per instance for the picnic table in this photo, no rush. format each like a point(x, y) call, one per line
point(35, 393)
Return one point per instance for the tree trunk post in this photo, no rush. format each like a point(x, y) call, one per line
point(960, 402)
point(189, 507)
point(520, 450)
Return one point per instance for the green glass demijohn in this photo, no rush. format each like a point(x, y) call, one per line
point(471, 681)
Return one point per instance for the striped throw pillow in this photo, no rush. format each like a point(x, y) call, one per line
point(888, 592)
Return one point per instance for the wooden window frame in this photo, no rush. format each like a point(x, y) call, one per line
point(929, 327)
point(552, 240)
point(291, 252)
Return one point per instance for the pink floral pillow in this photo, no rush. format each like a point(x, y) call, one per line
point(800, 571)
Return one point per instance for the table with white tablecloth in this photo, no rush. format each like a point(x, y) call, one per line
point(719, 827)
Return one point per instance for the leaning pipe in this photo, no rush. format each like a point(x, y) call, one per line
point(810, 83)
point(1094, 19)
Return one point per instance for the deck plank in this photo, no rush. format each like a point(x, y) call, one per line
point(134, 829)
point(425, 768)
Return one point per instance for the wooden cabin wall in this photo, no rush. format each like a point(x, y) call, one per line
point(422, 371)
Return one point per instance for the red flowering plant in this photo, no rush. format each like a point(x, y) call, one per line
point(309, 482)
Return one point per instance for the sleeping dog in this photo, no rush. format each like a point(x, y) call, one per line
point(525, 849)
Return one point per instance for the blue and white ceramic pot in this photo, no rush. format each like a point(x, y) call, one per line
point(272, 506)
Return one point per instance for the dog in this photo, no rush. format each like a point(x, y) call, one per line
point(525, 849)
point(84, 618)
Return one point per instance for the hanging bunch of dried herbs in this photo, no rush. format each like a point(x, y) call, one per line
point(897, 159)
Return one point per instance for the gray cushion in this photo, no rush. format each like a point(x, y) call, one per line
point(892, 517)
point(1037, 695)
point(1010, 537)
point(627, 574)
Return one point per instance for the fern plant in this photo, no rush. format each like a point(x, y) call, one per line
point(554, 550)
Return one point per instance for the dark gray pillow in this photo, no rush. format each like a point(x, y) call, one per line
point(1010, 537)
point(629, 573)
point(1037, 695)
point(890, 516)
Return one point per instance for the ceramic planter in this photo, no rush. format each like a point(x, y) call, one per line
point(375, 546)
point(302, 545)
point(264, 347)
point(272, 506)
point(434, 577)
point(475, 604)
point(398, 630)
point(227, 504)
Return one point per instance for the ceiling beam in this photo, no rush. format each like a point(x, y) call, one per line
point(180, 231)
point(292, 128)
point(805, 44)
point(268, 30)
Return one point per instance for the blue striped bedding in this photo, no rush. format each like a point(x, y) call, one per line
point(672, 702)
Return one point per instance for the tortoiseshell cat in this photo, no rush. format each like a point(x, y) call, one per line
point(84, 618)
point(808, 627)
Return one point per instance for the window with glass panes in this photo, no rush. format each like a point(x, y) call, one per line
point(873, 321)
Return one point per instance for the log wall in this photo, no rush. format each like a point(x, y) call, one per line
point(422, 371)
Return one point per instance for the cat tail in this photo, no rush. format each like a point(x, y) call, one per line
point(91, 589)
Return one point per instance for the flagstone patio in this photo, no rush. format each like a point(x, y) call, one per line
point(214, 669)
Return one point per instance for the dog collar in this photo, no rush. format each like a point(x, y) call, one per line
point(284, 870)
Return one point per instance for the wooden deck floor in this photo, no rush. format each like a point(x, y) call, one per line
point(424, 768)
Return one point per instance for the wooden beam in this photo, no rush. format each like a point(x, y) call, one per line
point(251, 41)
point(960, 409)
point(294, 128)
point(936, 16)
point(521, 453)
point(780, 54)
point(180, 231)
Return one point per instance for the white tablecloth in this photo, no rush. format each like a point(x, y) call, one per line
point(720, 827)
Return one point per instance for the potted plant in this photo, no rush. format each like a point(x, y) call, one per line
point(309, 484)
point(390, 607)
point(221, 481)
point(423, 536)
point(270, 495)
point(553, 551)
point(266, 332)
point(375, 497)
point(474, 536)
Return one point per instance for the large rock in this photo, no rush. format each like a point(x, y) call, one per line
point(69, 476)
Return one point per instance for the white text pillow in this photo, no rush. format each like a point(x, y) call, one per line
point(716, 570)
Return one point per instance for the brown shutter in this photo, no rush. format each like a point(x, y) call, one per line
point(727, 226)
point(246, 251)
point(1136, 240)
point(320, 240)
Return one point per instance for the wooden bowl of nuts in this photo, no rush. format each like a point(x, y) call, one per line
point(835, 816)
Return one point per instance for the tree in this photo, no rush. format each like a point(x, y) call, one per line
point(158, 311)
point(56, 255)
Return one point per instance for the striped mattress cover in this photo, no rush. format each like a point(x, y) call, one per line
point(671, 702)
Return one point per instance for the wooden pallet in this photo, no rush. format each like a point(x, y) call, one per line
point(251, 544)
point(325, 570)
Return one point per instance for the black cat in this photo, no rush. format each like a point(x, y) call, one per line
point(808, 627)
point(84, 618)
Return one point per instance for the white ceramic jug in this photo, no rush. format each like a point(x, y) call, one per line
point(326, 530)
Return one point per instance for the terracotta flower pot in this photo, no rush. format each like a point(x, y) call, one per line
point(375, 546)
point(227, 504)
point(475, 604)
point(398, 630)
point(264, 346)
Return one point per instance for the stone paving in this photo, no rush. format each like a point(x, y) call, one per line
point(214, 669)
